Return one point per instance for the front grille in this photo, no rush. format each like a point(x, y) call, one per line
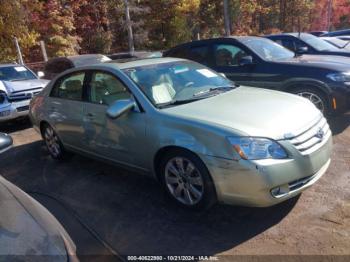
point(296, 184)
point(309, 140)
point(33, 90)
point(23, 95)
point(22, 108)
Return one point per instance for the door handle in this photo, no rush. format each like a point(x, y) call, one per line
point(90, 115)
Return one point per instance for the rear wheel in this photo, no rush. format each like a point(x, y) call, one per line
point(318, 98)
point(53, 143)
point(186, 180)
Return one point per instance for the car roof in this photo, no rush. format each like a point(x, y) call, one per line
point(287, 34)
point(7, 65)
point(237, 38)
point(143, 62)
point(86, 56)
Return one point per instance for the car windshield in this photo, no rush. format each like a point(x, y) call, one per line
point(317, 43)
point(267, 49)
point(169, 84)
point(15, 73)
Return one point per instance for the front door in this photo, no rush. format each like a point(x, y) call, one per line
point(121, 139)
point(227, 58)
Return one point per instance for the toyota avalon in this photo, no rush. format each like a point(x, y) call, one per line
point(202, 137)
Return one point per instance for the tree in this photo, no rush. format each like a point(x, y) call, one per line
point(13, 23)
point(54, 21)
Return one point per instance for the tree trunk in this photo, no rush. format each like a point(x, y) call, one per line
point(129, 27)
point(227, 18)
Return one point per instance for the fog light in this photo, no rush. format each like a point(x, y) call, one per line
point(276, 191)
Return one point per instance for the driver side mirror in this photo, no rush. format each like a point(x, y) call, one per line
point(5, 142)
point(120, 107)
point(246, 60)
point(302, 50)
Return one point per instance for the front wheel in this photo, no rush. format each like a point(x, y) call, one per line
point(186, 180)
point(316, 97)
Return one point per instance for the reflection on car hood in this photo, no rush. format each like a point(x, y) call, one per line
point(27, 228)
point(253, 112)
point(24, 85)
point(339, 63)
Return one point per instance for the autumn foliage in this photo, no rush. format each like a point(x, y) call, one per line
point(98, 26)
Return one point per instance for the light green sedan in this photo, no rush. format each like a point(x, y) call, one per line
point(202, 137)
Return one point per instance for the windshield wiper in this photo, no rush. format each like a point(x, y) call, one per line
point(176, 102)
point(19, 79)
point(214, 90)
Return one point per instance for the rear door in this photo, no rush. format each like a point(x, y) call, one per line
point(117, 139)
point(65, 107)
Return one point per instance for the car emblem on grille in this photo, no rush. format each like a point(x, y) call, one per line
point(320, 134)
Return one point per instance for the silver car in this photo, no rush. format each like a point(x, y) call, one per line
point(28, 230)
point(18, 85)
point(202, 137)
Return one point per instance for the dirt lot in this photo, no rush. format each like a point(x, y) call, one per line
point(130, 214)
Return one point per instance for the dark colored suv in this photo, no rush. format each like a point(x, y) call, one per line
point(259, 62)
point(304, 43)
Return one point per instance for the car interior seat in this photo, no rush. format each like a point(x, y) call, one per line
point(163, 91)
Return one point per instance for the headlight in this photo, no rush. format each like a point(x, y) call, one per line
point(340, 77)
point(254, 148)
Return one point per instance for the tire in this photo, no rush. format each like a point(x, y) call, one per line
point(318, 98)
point(186, 180)
point(53, 143)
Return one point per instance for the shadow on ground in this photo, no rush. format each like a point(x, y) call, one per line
point(15, 125)
point(129, 211)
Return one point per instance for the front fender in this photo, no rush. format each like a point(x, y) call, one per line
point(297, 82)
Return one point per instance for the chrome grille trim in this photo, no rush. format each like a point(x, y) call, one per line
point(309, 141)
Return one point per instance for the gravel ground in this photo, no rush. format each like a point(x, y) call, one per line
point(130, 213)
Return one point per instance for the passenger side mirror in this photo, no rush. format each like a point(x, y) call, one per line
point(246, 60)
point(302, 50)
point(5, 142)
point(41, 74)
point(120, 107)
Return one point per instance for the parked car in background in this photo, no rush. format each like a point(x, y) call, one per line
point(318, 33)
point(342, 44)
point(338, 33)
point(259, 62)
point(204, 138)
point(134, 55)
point(28, 230)
point(57, 65)
point(18, 85)
point(304, 43)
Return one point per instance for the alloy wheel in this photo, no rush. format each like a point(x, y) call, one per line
point(315, 99)
point(52, 142)
point(184, 181)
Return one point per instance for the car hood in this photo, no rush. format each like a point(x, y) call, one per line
point(27, 228)
point(17, 86)
point(337, 63)
point(253, 111)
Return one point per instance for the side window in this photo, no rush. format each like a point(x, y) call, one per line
point(228, 55)
point(199, 54)
point(289, 44)
point(104, 88)
point(70, 87)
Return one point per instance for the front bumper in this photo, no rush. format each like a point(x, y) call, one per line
point(254, 183)
point(10, 111)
